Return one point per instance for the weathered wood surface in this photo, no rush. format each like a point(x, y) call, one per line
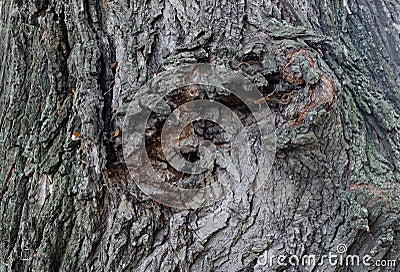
point(71, 67)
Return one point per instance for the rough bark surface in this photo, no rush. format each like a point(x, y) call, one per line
point(329, 71)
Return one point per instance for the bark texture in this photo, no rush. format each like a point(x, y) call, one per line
point(329, 71)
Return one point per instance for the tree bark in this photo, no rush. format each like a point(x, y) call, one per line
point(329, 71)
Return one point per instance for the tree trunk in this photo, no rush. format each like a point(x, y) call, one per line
point(329, 71)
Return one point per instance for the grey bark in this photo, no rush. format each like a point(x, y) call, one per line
point(331, 73)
